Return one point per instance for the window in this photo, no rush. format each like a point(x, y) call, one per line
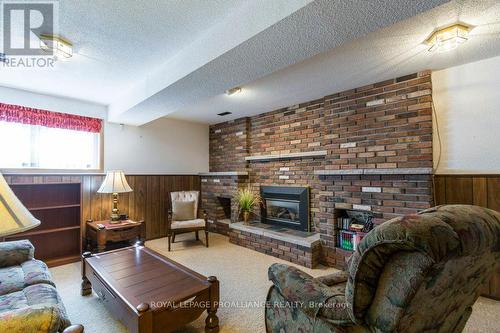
point(34, 146)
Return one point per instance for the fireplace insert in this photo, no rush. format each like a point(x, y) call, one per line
point(285, 206)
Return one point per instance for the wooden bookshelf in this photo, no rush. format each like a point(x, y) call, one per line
point(57, 239)
point(342, 251)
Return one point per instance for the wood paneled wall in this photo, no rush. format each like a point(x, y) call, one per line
point(149, 201)
point(480, 190)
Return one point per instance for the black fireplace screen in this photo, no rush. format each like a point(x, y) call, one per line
point(284, 210)
point(286, 206)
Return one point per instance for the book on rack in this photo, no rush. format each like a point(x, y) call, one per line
point(344, 223)
point(349, 240)
point(348, 223)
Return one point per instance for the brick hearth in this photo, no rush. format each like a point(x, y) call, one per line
point(378, 143)
point(302, 250)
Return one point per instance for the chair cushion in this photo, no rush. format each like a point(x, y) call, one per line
point(15, 278)
point(11, 279)
point(285, 316)
point(183, 210)
point(196, 223)
point(187, 196)
point(32, 295)
point(312, 297)
point(31, 319)
point(335, 310)
point(36, 296)
point(334, 278)
point(15, 252)
point(35, 272)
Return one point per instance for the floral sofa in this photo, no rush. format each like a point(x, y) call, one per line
point(29, 302)
point(417, 273)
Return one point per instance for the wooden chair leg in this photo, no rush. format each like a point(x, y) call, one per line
point(206, 238)
point(173, 238)
point(197, 236)
point(168, 237)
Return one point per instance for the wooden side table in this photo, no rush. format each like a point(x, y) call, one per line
point(101, 232)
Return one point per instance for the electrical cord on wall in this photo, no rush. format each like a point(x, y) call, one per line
point(435, 168)
point(438, 137)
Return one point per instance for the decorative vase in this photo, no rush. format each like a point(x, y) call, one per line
point(246, 216)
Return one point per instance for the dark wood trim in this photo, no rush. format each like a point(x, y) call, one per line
point(53, 207)
point(62, 260)
point(41, 232)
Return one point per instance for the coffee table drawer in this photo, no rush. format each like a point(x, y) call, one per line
point(113, 303)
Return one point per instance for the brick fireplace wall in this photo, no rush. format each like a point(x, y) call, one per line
point(213, 188)
point(229, 145)
point(378, 140)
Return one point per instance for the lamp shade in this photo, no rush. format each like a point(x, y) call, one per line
point(115, 182)
point(14, 217)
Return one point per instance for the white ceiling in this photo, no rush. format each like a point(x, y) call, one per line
point(116, 42)
point(311, 30)
point(149, 59)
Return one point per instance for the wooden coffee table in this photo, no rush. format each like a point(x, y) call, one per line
point(148, 292)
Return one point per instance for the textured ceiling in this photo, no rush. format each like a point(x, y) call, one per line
point(387, 53)
point(311, 30)
point(120, 43)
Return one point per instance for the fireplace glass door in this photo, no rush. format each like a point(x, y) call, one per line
point(286, 211)
point(285, 206)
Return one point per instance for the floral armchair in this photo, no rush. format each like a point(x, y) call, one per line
point(417, 273)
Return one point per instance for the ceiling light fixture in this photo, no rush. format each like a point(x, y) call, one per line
point(447, 39)
point(233, 91)
point(59, 46)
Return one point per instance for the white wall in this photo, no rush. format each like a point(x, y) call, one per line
point(164, 146)
point(467, 105)
point(160, 147)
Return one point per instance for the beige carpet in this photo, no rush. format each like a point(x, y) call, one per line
point(243, 277)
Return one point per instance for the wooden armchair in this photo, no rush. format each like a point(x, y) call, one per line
point(180, 221)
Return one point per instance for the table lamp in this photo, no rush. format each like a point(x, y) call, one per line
point(14, 217)
point(115, 183)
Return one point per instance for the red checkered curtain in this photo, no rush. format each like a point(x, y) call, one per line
point(26, 115)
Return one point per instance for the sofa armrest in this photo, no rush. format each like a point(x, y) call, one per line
point(299, 288)
point(15, 252)
point(334, 278)
point(30, 319)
